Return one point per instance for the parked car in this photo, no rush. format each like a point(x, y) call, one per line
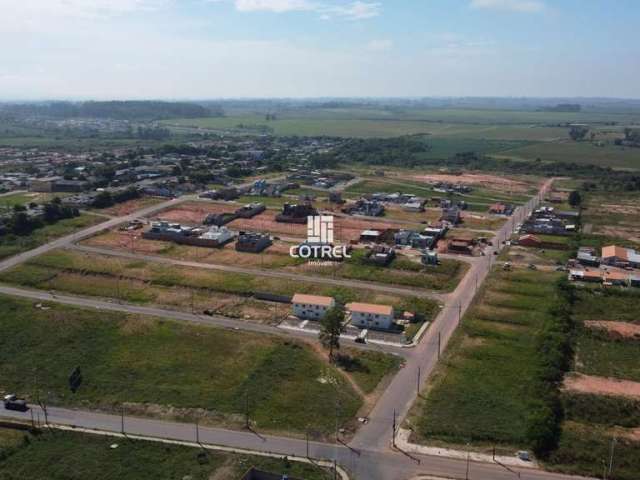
point(11, 402)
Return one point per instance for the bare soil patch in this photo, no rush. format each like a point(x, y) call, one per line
point(494, 181)
point(602, 385)
point(130, 206)
point(616, 329)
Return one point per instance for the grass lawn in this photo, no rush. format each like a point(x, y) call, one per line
point(485, 384)
point(12, 244)
point(170, 369)
point(602, 355)
point(61, 455)
point(147, 282)
point(402, 271)
point(585, 449)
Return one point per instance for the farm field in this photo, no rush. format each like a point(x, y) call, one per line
point(58, 455)
point(608, 155)
point(182, 288)
point(355, 122)
point(209, 373)
point(13, 244)
point(488, 376)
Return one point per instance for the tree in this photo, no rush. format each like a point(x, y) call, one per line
point(575, 199)
point(331, 327)
point(578, 133)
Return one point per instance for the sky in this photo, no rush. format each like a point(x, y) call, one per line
point(201, 49)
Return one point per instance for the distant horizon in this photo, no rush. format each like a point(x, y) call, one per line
point(310, 98)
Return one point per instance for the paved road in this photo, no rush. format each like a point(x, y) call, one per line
point(363, 464)
point(401, 393)
point(441, 297)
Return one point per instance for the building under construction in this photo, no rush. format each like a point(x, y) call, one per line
point(296, 213)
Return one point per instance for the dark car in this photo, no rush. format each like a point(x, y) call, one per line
point(17, 404)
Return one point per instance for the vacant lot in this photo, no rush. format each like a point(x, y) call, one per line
point(164, 368)
point(585, 450)
point(181, 288)
point(13, 244)
point(402, 271)
point(487, 378)
point(613, 215)
point(59, 455)
point(130, 206)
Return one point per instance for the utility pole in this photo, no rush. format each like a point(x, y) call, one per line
point(306, 434)
point(197, 432)
point(122, 419)
point(613, 446)
point(439, 344)
point(418, 384)
point(393, 432)
point(459, 313)
point(246, 409)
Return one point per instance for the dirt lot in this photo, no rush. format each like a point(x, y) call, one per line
point(602, 386)
point(491, 181)
point(616, 329)
point(193, 213)
point(130, 206)
point(276, 255)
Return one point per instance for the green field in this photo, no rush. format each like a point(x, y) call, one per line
point(179, 371)
point(61, 455)
point(13, 244)
point(487, 378)
point(578, 152)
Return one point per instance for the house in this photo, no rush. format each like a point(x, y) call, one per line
point(370, 236)
point(587, 257)
point(430, 257)
point(44, 184)
point(498, 209)
point(296, 213)
point(370, 316)
point(620, 256)
point(586, 275)
point(451, 215)
point(413, 239)
point(252, 242)
point(250, 210)
point(616, 278)
point(460, 245)
point(380, 255)
point(368, 208)
point(413, 206)
point(529, 240)
point(311, 307)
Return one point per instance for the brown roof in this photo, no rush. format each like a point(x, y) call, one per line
point(370, 308)
point(614, 251)
point(312, 300)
